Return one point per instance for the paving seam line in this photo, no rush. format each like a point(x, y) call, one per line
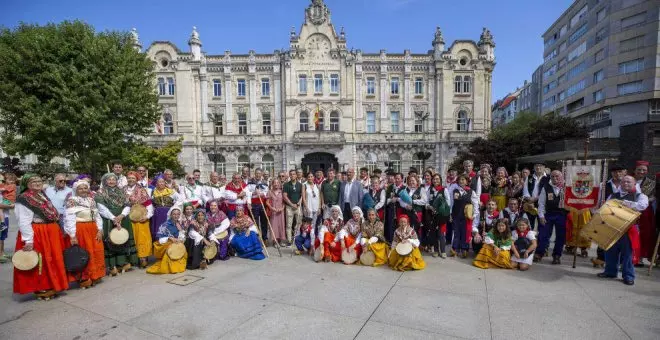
point(381, 302)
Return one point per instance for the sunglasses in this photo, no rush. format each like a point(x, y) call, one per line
point(61, 180)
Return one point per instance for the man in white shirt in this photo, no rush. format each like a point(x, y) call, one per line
point(531, 189)
point(351, 194)
point(191, 192)
point(117, 169)
point(551, 216)
point(58, 194)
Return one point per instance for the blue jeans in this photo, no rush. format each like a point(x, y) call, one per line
point(623, 249)
point(558, 221)
point(303, 242)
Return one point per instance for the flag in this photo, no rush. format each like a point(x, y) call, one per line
point(317, 115)
point(159, 127)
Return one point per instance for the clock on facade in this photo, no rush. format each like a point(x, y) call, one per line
point(318, 46)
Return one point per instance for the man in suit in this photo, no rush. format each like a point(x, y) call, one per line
point(350, 194)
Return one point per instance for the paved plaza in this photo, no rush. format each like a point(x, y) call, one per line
point(295, 298)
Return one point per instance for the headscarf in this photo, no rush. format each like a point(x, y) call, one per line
point(200, 228)
point(76, 204)
point(215, 219)
point(111, 197)
point(76, 185)
point(135, 174)
point(170, 228)
point(25, 180)
point(334, 225)
point(36, 200)
point(358, 209)
point(407, 232)
point(375, 228)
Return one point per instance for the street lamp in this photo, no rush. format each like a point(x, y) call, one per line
point(423, 155)
point(215, 117)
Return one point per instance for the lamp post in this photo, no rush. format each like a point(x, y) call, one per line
point(214, 118)
point(423, 155)
point(248, 140)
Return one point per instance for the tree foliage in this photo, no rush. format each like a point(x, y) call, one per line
point(68, 91)
point(524, 136)
point(156, 159)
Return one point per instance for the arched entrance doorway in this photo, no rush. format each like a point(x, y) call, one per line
point(319, 160)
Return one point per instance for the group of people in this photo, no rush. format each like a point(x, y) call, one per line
point(374, 219)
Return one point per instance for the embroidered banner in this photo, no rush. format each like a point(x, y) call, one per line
point(583, 182)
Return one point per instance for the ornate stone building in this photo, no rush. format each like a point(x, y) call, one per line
point(319, 104)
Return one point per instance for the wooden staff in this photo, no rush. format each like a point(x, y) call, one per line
point(259, 233)
point(655, 254)
point(107, 167)
point(270, 227)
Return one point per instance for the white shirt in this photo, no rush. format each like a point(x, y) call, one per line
point(58, 197)
point(312, 197)
point(347, 190)
point(640, 204)
point(535, 192)
point(543, 197)
point(121, 181)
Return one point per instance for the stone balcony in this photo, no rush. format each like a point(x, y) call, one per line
point(160, 140)
point(330, 138)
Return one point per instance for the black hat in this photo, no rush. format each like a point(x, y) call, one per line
point(364, 169)
point(617, 167)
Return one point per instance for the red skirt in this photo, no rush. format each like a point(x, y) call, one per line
point(49, 243)
point(647, 233)
point(349, 241)
point(86, 235)
point(333, 252)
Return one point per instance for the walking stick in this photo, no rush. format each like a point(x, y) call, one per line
point(655, 254)
point(270, 227)
point(259, 233)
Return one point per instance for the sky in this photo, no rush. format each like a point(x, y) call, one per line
point(370, 25)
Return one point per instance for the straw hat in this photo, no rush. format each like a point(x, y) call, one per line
point(25, 260)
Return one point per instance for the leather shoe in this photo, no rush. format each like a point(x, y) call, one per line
point(605, 276)
point(556, 260)
point(628, 282)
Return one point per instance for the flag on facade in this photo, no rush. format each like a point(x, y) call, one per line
point(317, 115)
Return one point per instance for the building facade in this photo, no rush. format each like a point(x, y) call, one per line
point(506, 109)
point(601, 65)
point(319, 105)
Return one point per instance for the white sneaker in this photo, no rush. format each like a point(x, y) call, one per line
point(646, 262)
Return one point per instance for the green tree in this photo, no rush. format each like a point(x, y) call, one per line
point(68, 91)
point(156, 159)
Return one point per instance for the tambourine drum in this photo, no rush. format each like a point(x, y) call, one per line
point(348, 257)
point(75, 259)
point(404, 249)
point(138, 213)
point(118, 236)
point(469, 211)
point(318, 254)
point(210, 252)
point(25, 260)
point(221, 235)
point(176, 251)
point(530, 208)
point(610, 223)
point(368, 258)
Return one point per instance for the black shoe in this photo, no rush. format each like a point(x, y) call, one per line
point(537, 258)
point(556, 260)
point(605, 276)
point(628, 282)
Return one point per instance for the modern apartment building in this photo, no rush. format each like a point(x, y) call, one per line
point(600, 66)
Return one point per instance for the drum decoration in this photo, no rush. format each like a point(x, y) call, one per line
point(210, 252)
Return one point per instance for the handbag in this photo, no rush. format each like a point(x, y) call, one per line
point(75, 258)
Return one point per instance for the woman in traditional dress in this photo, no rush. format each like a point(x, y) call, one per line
point(275, 203)
point(515, 189)
point(460, 196)
point(38, 230)
point(245, 237)
point(523, 246)
point(163, 199)
point(373, 238)
point(496, 249)
point(136, 194)
point(219, 230)
point(188, 214)
point(350, 235)
point(84, 226)
point(111, 201)
point(378, 196)
point(406, 234)
point(328, 237)
point(169, 233)
point(486, 185)
point(419, 201)
point(499, 188)
point(197, 232)
point(436, 227)
point(489, 217)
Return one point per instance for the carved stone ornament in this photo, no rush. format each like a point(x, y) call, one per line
point(317, 12)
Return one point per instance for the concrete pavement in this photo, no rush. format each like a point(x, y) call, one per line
point(295, 298)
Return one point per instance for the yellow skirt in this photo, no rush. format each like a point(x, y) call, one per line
point(580, 220)
point(501, 202)
point(380, 250)
point(487, 259)
point(142, 233)
point(165, 265)
point(403, 263)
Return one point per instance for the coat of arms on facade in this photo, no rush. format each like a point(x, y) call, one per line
point(317, 12)
point(582, 183)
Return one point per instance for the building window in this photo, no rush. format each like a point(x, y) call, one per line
point(631, 44)
point(576, 70)
point(600, 15)
point(394, 86)
point(561, 79)
point(243, 161)
point(242, 124)
point(334, 121)
point(419, 124)
point(628, 88)
point(371, 122)
point(170, 86)
point(304, 121)
point(161, 86)
point(266, 123)
point(318, 83)
point(600, 35)
point(458, 84)
point(395, 159)
point(462, 121)
point(550, 56)
point(394, 120)
point(371, 86)
point(419, 86)
point(577, 104)
point(598, 96)
point(268, 164)
point(302, 84)
point(577, 34)
point(334, 83)
point(168, 124)
point(218, 127)
point(265, 87)
point(577, 87)
point(370, 165)
point(631, 66)
point(222, 164)
point(217, 88)
point(562, 47)
point(599, 76)
point(633, 21)
point(418, 164)
point(467, 84)
point(561, 95)
point(240, 87)
point(578, 51)
point(561, 63)
point(579, 15)
point(550, 71)
point(654, 107)
point(600, 55)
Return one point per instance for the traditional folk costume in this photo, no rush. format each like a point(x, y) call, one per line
point(523, 241)
point(83, 222)
point(436, 227)
point(514, 191)
point(611, 188)
point(197, 233)
point(513, 216)
point(412, 261)
point(377, 200)
point(486, 257)
point(231, 193)
point(329, 233)
point(169, 230)
point(351, 233)
point(304, 237)
point(245, 238)
point(213, 192)
point(647, 223)
point(498, 191)
point(218, 224)
point(419, 202)
point(531, 189)
point(392, 210)
point(550, 198)
point(373, 240)
point(487, 223)
point(463, 225)
point(193, 194)
point(486, 188)
point(259, 191)
point(111, 202)
point(37, 225)
point(163, 200)
point(141, 229)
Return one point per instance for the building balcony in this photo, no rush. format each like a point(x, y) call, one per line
point(159, 140)
point(301, 138)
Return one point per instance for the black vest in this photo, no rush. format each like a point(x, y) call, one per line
point(417, 194)
point(631, 196)
point(551, 200)
point(375, 195)
point(458, 209)
point(609, 189)
point(531, 182)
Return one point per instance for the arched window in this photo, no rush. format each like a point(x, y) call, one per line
point(168, 123)
point(458, 84)
point(222, 164)
point(467, 84)
point(304, 121)
point(462, 121)
point(243, 160)
point(395, 158)
point(268, 164)
point(319, 123)
point(418, 164)
point(334, 121)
